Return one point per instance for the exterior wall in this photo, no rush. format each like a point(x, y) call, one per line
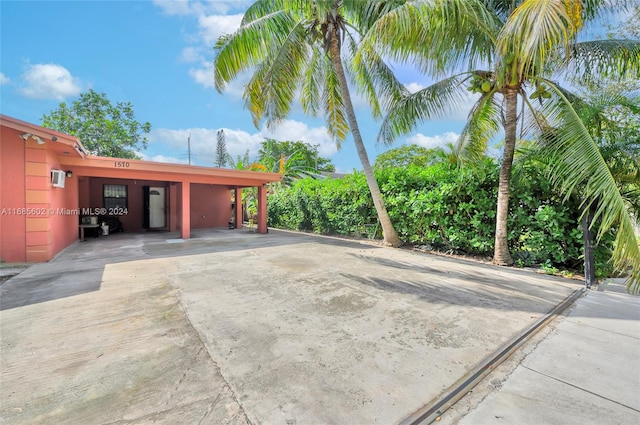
point(134, 220)
point(38, 196)
point(210, 206)
point(12, 196)
point(39, 220)
point(84, 192)
point(64, 212)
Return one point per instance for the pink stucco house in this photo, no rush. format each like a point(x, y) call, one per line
point(48, 183)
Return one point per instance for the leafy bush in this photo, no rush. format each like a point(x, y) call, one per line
point(331, 206)
point(446, 208)
point(449, 209)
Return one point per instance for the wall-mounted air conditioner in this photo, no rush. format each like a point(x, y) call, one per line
point(57, 178)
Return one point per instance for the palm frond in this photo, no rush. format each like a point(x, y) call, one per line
point(363, 14)
point(374, 79)
point(610, 58)
point(436, 35)
point(273, 87)
point(249, 45)
point(535, 31)
point(599, 9)
point(482, 126)
point(437, 100)
point(312, 83)
point(576, 162)
point(261, 8)
point(335, 114)
point(254, 99)
point(534, 121)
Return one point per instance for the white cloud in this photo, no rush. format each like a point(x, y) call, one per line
point(213, 21)
point(414, 87)
point(213, 26)
point(210, 28)
point(163, 158)
point(191, 54)
point(433, 141)
point(235, 89)
point(203, 75)
point(4, 79)
point(296, 130)
point(189, 7)
point(49, 81)
point(203, 141)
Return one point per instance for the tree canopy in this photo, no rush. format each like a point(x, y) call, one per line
point(403, 156)
point(307, 154)
point(103, 128)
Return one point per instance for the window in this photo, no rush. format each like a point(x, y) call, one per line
point(114, 195)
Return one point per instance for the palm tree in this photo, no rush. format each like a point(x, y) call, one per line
point(612, 120)
point(296, 47)
point(619, 143)
point(503, 51)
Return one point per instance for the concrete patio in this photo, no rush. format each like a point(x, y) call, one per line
point(236, 327)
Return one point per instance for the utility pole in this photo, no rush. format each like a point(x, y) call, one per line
point(189, 147)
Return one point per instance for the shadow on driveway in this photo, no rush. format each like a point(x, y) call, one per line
point(79, 268)
point(235, 327)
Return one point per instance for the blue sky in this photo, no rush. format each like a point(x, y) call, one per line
point(157, 55)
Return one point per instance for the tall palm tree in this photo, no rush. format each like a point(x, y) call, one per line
point(503, 51)
point(305, 47)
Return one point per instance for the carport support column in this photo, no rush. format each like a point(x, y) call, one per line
point(185, 224)
point(239, 208)
point(262, 209)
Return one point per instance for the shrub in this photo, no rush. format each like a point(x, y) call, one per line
point(450, 209)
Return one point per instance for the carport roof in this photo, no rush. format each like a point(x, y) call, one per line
point(98, 166)
point(71, 153)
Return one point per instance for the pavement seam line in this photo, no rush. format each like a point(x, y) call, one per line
point(577, 322)
point(436, 407)
point(224, 378)
point(508, 369)
point(580, 388)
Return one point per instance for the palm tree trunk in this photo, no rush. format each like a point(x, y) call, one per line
point(589, 245)
point(501, 255)
point(390, 235)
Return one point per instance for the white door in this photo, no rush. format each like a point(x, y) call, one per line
point(157, 217)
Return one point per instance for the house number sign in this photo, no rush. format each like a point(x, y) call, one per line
point(121, 164)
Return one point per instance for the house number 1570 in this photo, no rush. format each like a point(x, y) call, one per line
point(121, 164)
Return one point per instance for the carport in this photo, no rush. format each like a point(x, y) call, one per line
point(49, 183)
point(180, 180)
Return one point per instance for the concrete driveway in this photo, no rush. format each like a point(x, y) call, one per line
point(235, 327)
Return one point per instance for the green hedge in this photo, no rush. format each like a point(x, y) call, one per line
point(448, 209)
